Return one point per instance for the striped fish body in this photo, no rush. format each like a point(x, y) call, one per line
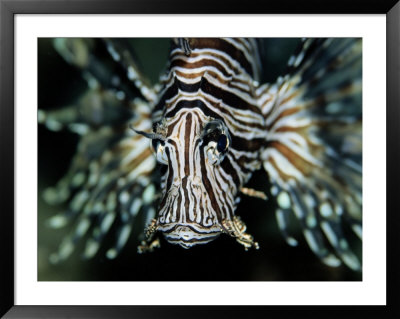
point(210, 132)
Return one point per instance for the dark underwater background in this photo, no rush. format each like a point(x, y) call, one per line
point(224, 259)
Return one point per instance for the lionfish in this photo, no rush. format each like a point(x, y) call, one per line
point(181, 152)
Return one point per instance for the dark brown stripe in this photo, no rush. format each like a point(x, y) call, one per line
point(188, 125)
point(243, 144)
point(228, 98)
point(297, 161)
point(224, 199)
point(285, 113)
point(208, 186)
point(226, 165)
point(185, 194)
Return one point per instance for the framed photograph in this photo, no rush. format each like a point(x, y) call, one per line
point(159, 159)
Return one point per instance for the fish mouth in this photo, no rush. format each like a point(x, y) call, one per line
point(191, 235)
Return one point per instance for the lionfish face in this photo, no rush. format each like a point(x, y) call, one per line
point(196, 197)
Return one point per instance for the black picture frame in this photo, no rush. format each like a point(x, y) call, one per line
point(8, 10)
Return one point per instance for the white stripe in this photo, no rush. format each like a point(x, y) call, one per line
point(283, 164)
point(299, 151)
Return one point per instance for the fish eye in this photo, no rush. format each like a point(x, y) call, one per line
point(216, 149)
point(222, 143)
point(217, 140)
point(155, 142)
point(159, 149)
